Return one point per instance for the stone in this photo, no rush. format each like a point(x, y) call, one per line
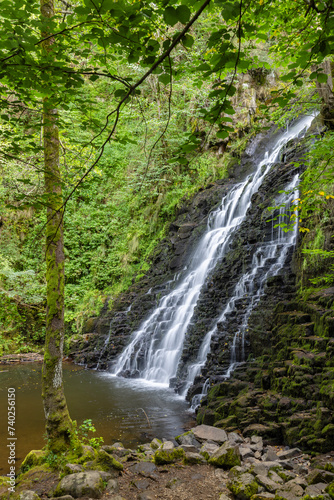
point(106, 462)
point(188, 438)
point(28, 495)
point(315, 489)
point(256, 440)
point(193, 458)
point(147, 495)
point(144, 468)
point(234, 437)
point(162, 457)
point(275, 477)
point(268, 483)
point(264, 495)
point(222, 496)
point(141, 484)
point(207, 432)
point(243, 487)
point(73, 468)
point(320, 476)
point(155, 443)
point(245, 452)
point(227, 456)
point(270, 455)
point(290, 491)
point(287, 454)
point(112, 486)
point(189, 448)
point(264, 467)
point(89, 483)
point(257, 455)
point(208, 449)
point(168, 446)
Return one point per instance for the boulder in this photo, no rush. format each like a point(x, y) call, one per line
point(208, 449)
point(314, 490)
point(89, 483)
point(227, 456)
point(267, 483)
point(207, 432)
point(143, 468)
point(320, 476)
point(188, 438)
point(243, 487)
point(287, 454)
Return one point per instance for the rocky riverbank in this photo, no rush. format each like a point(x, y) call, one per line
point(204, 463)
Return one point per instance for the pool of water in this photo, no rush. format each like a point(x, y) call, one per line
point(130, 411)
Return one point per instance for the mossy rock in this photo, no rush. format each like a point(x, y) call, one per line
point(330, 490)
point(106, 462)
point(226, 457)
point(162, 457)
point(88, 454)
point(244, 487)
point(34, 458)
point(156, 443)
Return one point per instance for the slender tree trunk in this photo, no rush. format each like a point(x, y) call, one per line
point(58, 422)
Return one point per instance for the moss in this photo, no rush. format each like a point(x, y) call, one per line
point(226, 460)
point(242, 491)
point(88, 454)
point(105, 462)
point(330, 490)
point(34, 458)
point(162, 457)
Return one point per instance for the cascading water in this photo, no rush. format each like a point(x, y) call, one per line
point(267, 261)
point(154, 352)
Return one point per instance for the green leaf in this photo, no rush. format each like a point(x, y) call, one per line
point(183, 13)
point(170, 16)
point(322, 77)
point(222, 134)
point(187, 41)
point(165, 79)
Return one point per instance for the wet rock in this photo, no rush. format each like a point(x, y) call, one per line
point(89, 483)
point(207, 432)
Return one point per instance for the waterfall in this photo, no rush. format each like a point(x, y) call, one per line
point(267, 261)
point(155, 348)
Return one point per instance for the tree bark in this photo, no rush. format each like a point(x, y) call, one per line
point(59, 427)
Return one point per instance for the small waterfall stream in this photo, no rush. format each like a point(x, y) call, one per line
point(155, 348)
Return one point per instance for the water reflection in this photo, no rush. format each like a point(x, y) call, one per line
point(127, 410)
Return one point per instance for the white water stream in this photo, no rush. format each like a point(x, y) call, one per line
point(155, 348)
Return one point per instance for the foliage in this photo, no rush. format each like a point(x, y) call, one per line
point(83, 432)
point(143, 108)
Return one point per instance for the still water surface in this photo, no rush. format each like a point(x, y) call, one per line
point(115, 405)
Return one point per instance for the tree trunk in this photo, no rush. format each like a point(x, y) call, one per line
point(58, 423)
